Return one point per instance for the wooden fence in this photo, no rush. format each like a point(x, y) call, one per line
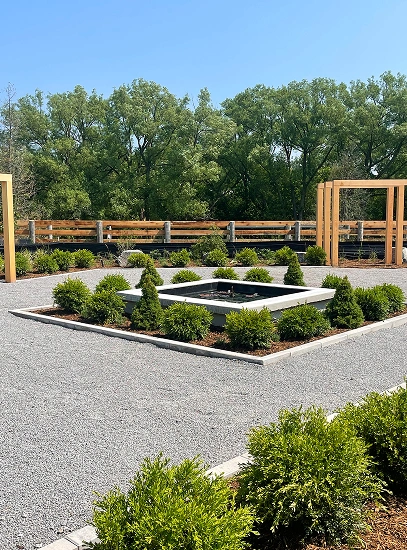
point(44, 231)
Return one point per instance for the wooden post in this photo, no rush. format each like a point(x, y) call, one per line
point(388, 252)
point(335, 224)
point(232, 234)
point(31, 230)
point(8, 228)
point(319, 214)
point(99, 231)
point(399, 224)
point(327, 220)
point(167, 232)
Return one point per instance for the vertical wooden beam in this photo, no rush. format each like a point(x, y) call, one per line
point(8, 228)
point(327, 220)
point(319, 214)
point(335, 225)
point(388, 253)
point(399, 224)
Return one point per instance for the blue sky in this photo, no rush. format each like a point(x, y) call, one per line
point(224, 45)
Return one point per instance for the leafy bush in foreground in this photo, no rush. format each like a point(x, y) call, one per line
point(302, 322)
point(171, 507)
point(373, 302)
point(104, 307)
point(284, 255)
point(114, 282)
point(247, 257)
point(63, 258)
point(71, 295)
point(395, 296)
point(331, 281)
point(186, 322)
point(250, 329)
point(216, 258)
point(381, 421)
point(147, 314)
point(315, 255)
point(137, 259)
point(23, 263)
point(45, 263)
point(343, 311)
point(308, 477)
point(258, 275)
point(180, 258)
point(225, 273)
point(185, 276)
point(84, 258)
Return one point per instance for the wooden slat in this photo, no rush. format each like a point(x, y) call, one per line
point(72, 232)
point(134, 235)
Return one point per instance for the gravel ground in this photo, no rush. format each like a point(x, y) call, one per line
point(79, 411)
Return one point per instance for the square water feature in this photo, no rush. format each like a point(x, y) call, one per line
point(221, 296)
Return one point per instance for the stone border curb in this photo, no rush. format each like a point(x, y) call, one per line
point(29, 313)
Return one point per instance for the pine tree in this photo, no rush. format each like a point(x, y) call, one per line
point(150, 271)
point(147, 313)
point(343, 310)
point(294, 275)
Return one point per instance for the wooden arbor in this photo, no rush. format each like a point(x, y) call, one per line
point(8, 223)
point(328, 230)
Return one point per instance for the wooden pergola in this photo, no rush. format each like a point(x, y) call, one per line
point(327, 229)
point(8, 228)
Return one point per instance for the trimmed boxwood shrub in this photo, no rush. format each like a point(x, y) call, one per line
point(225, 273)
point(63, 258)
point(180, 258)
point(185, 276)
point(71, 295)
point(186, 322)
point(247, 257)
point(343, 311)
point(114, 282)
point(104, 307)
point(258, 275)
point(171, 507)
point(206, 244)
point(137, 259)
point(331, 281)
point(395, 296)
point(84, 258)
point(294, 275)
point(216, 258)
point(302, 322)
point(250, 329)
point(23, 263)
point(150, 271)
point(373, 302)
point(45, 263)
point(307, 478)
point(381, 421)
point(284, 255)
point(315, 255)
point(147, 314)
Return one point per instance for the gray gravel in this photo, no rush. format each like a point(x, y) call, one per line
point(79, 411)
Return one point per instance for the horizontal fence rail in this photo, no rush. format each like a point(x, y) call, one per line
point(105, 231)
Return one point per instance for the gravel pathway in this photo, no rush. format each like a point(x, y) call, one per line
point(79, 411)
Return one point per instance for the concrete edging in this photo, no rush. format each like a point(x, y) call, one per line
point(29, 313)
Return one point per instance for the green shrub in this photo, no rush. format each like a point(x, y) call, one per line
point(45, 263)
point(1, 264)
point(308, 478)
point(225, 273)
point(250, 329)
point(71, 295)
point(267, 255)
point(216, 258)
point(150, 271)
point(302, 322)
point(114, 282)
point(315, 255)
point(373, 302)
point(258, 275)
point(63, 258)
point(147, 314)
point(206, 244)
point(186, 322)
point(343, 311)
point(331, 281)
point(284, 255)
point(395, 296)
point(294, 275)
point(180, 259)
point(84, 258)
point(247, 257)
point(137, 259)
point(381, 421)
point(23, 263)
point(104, 307)
point(171, 507)
point(185, 276)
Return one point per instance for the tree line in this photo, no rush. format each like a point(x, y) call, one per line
point(143, 153)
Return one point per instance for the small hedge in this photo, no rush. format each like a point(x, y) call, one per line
point(186, 322)
point(137, 259)
point(147, 314)
point(258, 275)
point(294, 275)
point(185, 276)
point(206, 244)
point(171, 507)
point(115, 282)
point(302, 322)
point(180, 258)
point(225, 273)
point(45, 263)
point(216, 258)
point(84, 258)
point(343, 311)
point(23, 263)
point(315, 255)
point(104, 307)
point(373, 303)
point(71, 295)
point(250, 329)
point(397, 300)
point(283, 255)
point(63, 258)
point(247, 257)
point(331, 281)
